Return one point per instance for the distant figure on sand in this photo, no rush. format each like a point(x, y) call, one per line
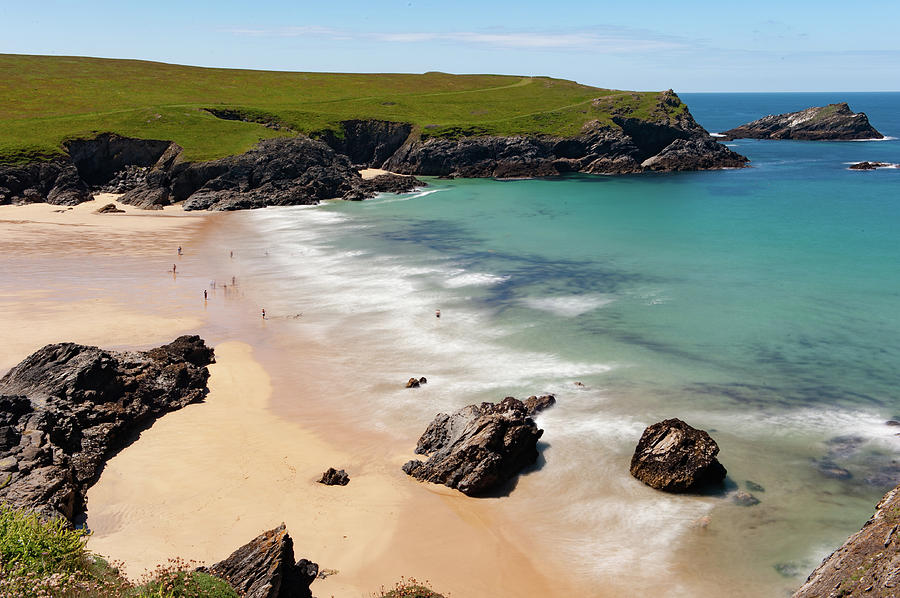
point(173, 267)
point(437, 313)
point(179, 250)
point(230, 254)
point(232, 281)
point(204, 294)
point(264, 313)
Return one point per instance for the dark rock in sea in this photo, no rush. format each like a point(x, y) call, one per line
point(868, 165)
point(743, 498)
point(110, 208)
point(754, 487)
point(383, 183)
point(477, 448)
point(413, 383)
point(265, 568)
point(675, 457)
point(423, 380)
point(534, 404)
point(868, 563)
point(831, 122)
point(335, 477)
point(892, 422)
point(829, 469)
point(67, 408)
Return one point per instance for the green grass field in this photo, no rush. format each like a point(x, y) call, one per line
point(49, 99)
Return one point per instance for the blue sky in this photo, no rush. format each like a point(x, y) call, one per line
point(760, 45)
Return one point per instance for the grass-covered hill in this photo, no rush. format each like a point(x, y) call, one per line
point(49, 99)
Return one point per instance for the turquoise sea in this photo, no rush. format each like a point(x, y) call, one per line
point(761, 304)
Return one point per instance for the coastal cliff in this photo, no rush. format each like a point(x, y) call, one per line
point(867, 564)
point(303, 170)
point(831, 122)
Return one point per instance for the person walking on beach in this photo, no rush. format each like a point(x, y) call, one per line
point(230, 254)
point(173, 268)
point(264, 313)
point(179, 250)
point(437, 313)
point(204, 294)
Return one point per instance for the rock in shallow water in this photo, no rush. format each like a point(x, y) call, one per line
point(675, 457)
point(477, 448)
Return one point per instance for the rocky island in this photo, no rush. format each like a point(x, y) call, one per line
point(832, 122)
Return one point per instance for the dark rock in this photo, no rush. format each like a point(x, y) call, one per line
point(423, 380)
point(265, 568)
point(831, 470)
point(100, 159)
point(754, 487)
point(383, 183)
point(154, 198)
point(335, 477)
point(110, 208)
point(72, 407)
point(699, 153)
point(674, 457)
point(55, 182)
point(743, 498)
point(868, 165)
point(534, 405)
point(368, 142)
point(831, 122)
point(413, 383)
point(892, 422)
point(868, 563)
point(477, 448)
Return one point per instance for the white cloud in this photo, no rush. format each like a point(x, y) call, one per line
point(604, 39)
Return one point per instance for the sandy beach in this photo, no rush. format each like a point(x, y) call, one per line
point(206, 479)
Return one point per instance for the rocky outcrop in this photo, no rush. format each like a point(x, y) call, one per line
point(367, 143)
point(110, 208)
point(384, 183)
point(872, 165)
point(477, 448)
point(100, 159)
point(868, 563)
point(55, 182)
point(68, 408)
point(831, 122)
point(662, 142)
point(265, 568)
point(534, 404)
point(334, 477)
point(674, 457)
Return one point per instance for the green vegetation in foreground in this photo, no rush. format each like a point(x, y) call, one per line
point(49, 99)
point(41, 559)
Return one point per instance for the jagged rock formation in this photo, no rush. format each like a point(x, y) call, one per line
point(477, 448)
point(334, 477)
point(534, 405)
point(834, 122)
point(660, 142)
point(368, 142)
point(675, 457)
point(67, 408)
point(265, 568)
point(872, 165)
point(868, 563)
point(55, 182)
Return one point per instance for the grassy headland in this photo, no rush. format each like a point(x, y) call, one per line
point(49, 99)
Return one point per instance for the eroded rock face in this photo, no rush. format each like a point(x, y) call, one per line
point(660, 143)
point(834, 121)
point(477, 448)
point(868, 563)
point(68, 408)
point(675, 457)
point(55, 182)
point(265, 568)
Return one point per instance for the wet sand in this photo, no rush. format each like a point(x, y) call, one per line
point(206, 479)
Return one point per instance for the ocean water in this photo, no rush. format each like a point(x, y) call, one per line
point(761, 304)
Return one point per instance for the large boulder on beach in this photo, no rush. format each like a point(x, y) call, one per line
point(477, 448)
point(265, 568)
point(67, 408)
point(868, 563)
point(675, 457)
